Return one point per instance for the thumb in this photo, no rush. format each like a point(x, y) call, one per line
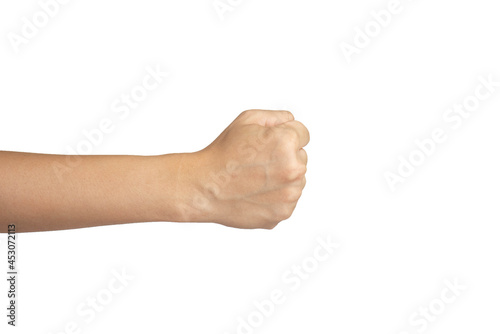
point(266, 117)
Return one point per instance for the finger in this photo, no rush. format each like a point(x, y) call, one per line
point(267, 117)
point(301, 130)
point(302, 156)
point(300, 183)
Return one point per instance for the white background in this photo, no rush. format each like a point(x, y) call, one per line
point(396, 248)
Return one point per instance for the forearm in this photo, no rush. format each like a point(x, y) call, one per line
point(42, 192)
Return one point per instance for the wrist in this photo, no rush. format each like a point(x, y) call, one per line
point(184, 183)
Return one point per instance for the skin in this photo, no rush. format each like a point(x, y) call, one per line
point(251, 176)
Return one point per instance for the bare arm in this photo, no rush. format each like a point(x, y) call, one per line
point(251, 176)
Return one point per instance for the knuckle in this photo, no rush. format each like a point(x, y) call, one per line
point(290, 135)
point(270, 225)
point(303, 156)
point(294, 172)
point(270, 221)
point(302, 170)
point(244, 114)
point(303, 182)
point(283, 212)
point(267, 134)
point(291, 194)
point(247, 113)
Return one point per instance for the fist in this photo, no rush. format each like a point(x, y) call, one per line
point(254, 172)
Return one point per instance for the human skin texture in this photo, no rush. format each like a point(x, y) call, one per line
point(250, 176)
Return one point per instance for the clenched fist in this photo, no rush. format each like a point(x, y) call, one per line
point(254, 172)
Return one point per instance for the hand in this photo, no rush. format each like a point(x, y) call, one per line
point(253, 174)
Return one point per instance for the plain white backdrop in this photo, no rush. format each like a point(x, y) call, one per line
point(398, 249)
